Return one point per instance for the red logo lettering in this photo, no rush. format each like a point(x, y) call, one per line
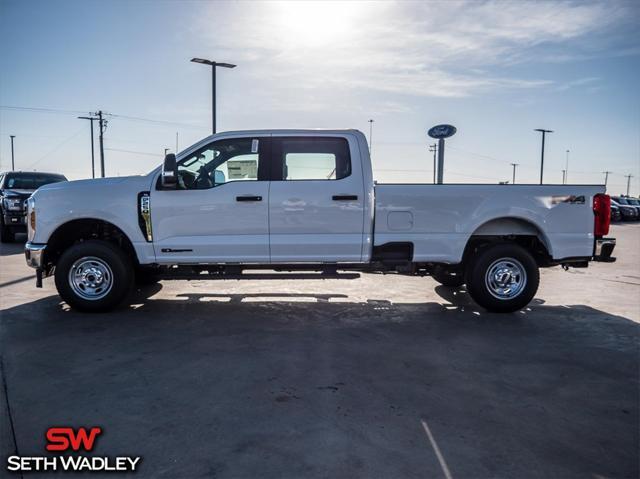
point(63, 438)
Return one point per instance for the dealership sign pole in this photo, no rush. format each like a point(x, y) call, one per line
point(440, 132)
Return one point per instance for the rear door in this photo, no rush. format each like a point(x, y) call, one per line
point(316, 200)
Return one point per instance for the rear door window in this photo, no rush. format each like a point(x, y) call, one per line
point(311, 158)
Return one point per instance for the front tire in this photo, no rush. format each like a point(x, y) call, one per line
point(94, 276)
point(502, 278)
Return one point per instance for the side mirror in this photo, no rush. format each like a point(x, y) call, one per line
point(169, 178)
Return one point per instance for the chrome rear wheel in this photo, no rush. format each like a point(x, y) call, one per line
point(506, 278)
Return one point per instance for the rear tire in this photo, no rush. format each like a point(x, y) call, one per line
point(446, 278)
point(502, 278)
point(94, 276)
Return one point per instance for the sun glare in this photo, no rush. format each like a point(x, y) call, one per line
point(316, 23)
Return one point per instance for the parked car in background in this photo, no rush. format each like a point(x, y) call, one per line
point(628, 212)
point(15, 188)
point(633, 202)
point(615, 214)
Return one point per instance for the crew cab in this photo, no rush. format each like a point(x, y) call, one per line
point(15, 188)
point(291, 200)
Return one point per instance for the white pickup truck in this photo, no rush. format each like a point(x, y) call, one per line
point(291, 200)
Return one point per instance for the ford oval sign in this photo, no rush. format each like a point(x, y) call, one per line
point(442, 131)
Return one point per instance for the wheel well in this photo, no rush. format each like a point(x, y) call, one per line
point(76, 231)
point(532, 243)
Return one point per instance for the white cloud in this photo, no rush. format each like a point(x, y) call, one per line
point(439, 49)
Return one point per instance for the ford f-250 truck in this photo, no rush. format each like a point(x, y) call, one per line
point(291, 200)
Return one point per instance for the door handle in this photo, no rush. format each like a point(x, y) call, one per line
point(344, 197)
point(248, 198)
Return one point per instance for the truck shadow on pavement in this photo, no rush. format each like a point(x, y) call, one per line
point(248, 385)
point(8, 249)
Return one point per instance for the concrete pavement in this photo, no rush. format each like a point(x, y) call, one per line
point(381, 376)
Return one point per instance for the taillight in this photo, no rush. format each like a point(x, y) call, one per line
point(602, 214)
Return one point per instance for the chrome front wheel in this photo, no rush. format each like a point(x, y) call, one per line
point(90, 278)
point(94, 275)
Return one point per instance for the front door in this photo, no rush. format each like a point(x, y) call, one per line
point(219, 211)
point(316, 201)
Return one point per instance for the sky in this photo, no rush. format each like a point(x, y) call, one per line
point(496, 70)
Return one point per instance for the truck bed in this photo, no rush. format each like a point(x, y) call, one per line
point(440, 219)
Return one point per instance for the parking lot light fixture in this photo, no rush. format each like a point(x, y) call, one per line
point(544, 132)
point(213, 65)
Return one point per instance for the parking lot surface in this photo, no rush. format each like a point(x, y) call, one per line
point(380, 376)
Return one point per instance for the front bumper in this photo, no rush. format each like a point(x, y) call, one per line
point(16, 219)
point(604, 249)
point(34, 254)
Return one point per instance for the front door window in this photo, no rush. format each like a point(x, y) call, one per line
point(235, 159)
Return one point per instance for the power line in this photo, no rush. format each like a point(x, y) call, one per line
point(113, 115)
point(42, 110)
point(133, 152)
point(149, 120)
point(60, 145)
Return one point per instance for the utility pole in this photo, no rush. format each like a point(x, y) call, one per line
point(13, 163)
point(544, 132)
point(564, 176)
point(370, 136)
point(606, 176)
point(93, 162)
point(176, 142)
point(165, 151)
point(434, 148)
point(213, 85)
point(102, 124)
point(513, 180)
point(628, 177)
point(566, 170)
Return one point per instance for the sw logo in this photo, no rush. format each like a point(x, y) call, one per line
point(65, 438)
point(70, 440)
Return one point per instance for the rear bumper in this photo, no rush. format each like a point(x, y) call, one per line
point(604, 249)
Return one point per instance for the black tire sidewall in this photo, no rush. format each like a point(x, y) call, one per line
point(117, 260)
point(475, 277)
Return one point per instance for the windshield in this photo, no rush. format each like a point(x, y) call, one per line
point(633, 202)
point(622, 201)
point(31, 181)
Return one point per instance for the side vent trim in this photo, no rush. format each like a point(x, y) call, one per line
point(144, 215)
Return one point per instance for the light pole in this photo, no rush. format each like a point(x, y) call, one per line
point(513, 181)
point(213, 85)
point(93, 161)
point(434, 148)
point(370, 136)
point(564, 176)
point(628, 177)
point(606, 176)
point(566, 170)
point(544, 132)
point(13, 163)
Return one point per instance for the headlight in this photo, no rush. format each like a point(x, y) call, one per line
point(31, 218)
point(13, 204)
